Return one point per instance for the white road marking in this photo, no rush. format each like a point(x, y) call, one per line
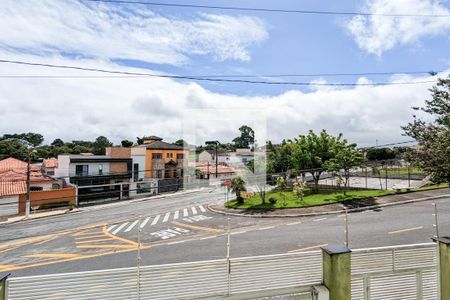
point(202, 208)
point(175, 217)
point(177, 242)
point(155, 220)
point(131, 226)
point(341, 216)
point(145, 222)
point(317, 220)
point(166, 217)
point(295, 223)
point(111, 227)
point(406, 230)
point(185, 212)
point(264, 228)
point(120, 228)
point(194, 210)
point(237, 232)
point(209, 237)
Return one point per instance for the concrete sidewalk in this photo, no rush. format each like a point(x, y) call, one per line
point(38, 215)
point(335, 208)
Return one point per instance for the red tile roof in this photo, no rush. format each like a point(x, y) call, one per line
point(50, 163)
point(221, 169)
point(13, 177)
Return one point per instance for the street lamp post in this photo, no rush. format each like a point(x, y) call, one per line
point(216, 143)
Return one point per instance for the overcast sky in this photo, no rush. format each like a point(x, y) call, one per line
point(186, 41)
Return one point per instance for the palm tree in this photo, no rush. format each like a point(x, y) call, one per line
point(237, 186)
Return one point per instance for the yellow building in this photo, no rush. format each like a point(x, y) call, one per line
point(161, 159)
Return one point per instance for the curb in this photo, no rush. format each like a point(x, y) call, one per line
point(328, 212)
point(65, 212)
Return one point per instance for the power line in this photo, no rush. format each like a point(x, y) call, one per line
point(255, 9)
point(239, 75)
point(197, 78)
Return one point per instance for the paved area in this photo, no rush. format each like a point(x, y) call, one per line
point(183, 230)
point(374, 183)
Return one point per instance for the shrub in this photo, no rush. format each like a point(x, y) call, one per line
point(240, 200)
point(272, 200)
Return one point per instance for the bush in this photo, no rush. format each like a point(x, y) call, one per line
point(272, 200)
point(240, 200)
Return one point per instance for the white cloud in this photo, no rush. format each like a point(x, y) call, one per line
point(377, 34)
point(107, 31)
point(84, 108)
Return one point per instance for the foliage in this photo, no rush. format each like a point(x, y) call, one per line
point(433, 152)
point(279, 158)
point(312, 151)
point(272, 200)
point(57, 143)
point(380, 154)
point(299, 189)
point(126, 143)
point(237, 185)
point(346, 157)
point(246, 139)
point(100, 144)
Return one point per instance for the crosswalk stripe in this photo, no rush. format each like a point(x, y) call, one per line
point(131, 226)
point(145, 222)
point(155, 220)
point(175, 216)
point(166, 217)
point(185, 212)
point(194, 210)
point(202, 208)
point(111, 227)
point(120, 227)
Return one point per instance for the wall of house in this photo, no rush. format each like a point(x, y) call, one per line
point(140, 160)
point(149, 163)
point(118, 152)
point(42, 198)
point(92, 168)
point(63, 166)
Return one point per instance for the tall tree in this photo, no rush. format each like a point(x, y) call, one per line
point(57, 143)
point(126, 143)
point(345, 158)
point(311, 152)
point(100, 144)
point(237, 185)
point(246, 139)
point(433, 152)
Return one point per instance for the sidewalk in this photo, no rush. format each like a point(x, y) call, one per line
point(38, 215)
point(335, 208)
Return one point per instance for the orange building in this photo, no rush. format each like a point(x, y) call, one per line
point(158, 159)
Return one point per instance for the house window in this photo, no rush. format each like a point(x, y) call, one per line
point(81, 170)
point(158, 174)
point(36, 188)
point(169, 155)
point(136, 171)
point(156, 155)
point(180, 156)
point(100, 169)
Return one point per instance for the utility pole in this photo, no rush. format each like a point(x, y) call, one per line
point(27, 203)
point(216, 143)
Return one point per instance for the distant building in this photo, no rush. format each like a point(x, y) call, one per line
point(158, 159)
point(49, 165)
point(97, 173)
point(237, 159)
point(44, 190)
point(208, 171)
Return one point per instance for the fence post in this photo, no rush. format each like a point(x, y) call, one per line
point(444, 263)
point(121, 192)
point(3, 287)
point(337, 272)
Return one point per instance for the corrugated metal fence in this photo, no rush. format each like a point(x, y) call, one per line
point(400, 272)
point(392, 273)
point(175, 281)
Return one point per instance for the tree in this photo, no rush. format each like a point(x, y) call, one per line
point(126, 143)
point(380, 154)
point(345, 158)
point(311, 152)
point(279, 158)
point(246, 138)
point(29, 139)
point(281, 184)
point(61, 150)
point(237, 185)
point(139, 140)
point(80, 149)
point(100, 144)
point(13, 148)
point(181, 143)
point(57, 143)
point(433, 151)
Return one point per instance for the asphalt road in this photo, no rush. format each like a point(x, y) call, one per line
point(178, 228)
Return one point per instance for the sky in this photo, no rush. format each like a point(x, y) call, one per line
point(207, 42)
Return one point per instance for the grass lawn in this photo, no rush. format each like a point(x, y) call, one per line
point(432, 187)
point(289, 200)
